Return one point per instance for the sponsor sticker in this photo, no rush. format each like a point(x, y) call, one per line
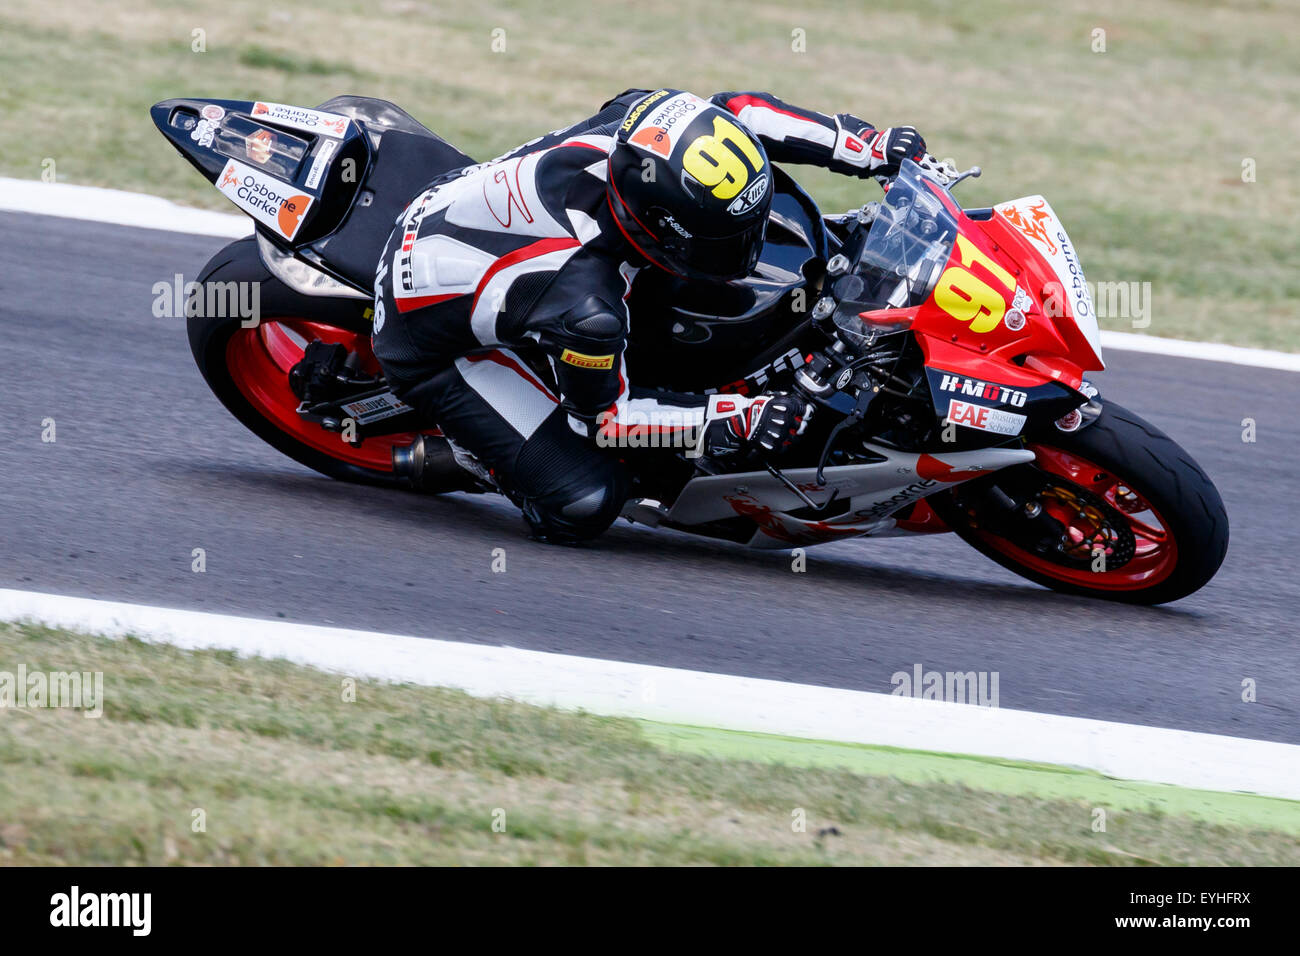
point(653, 138)
point(271, 202)
point(203, 132)
point(984, 418)
point(677, 227)
point(1033, 217)
point(887, 506)
point(212, 112)
point(988, 391)
point(753, 383)
point(658, 128)
point(640, 108)
point(750, 197)
point(1033, 220)
point(299, 117)
point(321, 162)
point(587, 361)
point(375, 408)
point(1070, 421)
point(404, 271)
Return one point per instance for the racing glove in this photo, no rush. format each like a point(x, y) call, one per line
point(767, 423)
point(889, 147)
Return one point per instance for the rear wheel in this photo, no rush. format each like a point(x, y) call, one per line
point(1116, 510)
point(248, 368)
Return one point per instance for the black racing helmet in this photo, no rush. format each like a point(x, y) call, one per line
point(689, 186)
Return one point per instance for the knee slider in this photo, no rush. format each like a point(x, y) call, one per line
point(567, 488)
point(580, 510)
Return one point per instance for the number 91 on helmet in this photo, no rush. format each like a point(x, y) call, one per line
point(689, 186)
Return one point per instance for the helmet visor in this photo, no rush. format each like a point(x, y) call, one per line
point(727, 257)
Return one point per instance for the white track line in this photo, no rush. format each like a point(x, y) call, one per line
point(1207, 351)
point(151, 212)
point(117, 207)
point(614, 688)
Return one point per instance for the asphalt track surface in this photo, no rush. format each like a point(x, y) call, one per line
point(148, 466)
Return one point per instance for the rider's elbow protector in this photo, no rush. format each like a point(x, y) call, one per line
point(591, 324)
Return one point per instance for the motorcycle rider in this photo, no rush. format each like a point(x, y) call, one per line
point(536, 251)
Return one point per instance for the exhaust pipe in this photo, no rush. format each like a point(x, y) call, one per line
point(429, 465)
point(408, 461)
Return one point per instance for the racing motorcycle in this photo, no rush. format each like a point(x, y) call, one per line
point(945, 349)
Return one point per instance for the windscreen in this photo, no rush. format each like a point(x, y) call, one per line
point(905, 251)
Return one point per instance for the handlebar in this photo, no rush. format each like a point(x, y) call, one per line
point(944, 172)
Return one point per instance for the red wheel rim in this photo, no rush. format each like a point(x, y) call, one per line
point(259, 360)
point(1156, 550)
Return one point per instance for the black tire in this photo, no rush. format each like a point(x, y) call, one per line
point(210, 335)
point(1159, 469)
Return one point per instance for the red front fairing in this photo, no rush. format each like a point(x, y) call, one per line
point(963, 326)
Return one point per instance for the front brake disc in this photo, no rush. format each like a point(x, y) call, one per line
point(1105, 530)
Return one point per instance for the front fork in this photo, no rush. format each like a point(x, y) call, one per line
point(1025, 504)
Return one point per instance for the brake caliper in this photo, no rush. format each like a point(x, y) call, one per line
point(1091, 527)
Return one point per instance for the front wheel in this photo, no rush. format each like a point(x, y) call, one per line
point(1116, 510)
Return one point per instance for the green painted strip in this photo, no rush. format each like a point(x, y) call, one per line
point(1047, 781)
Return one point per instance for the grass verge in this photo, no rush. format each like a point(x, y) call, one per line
point(1162, 132)
point(280, 767)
